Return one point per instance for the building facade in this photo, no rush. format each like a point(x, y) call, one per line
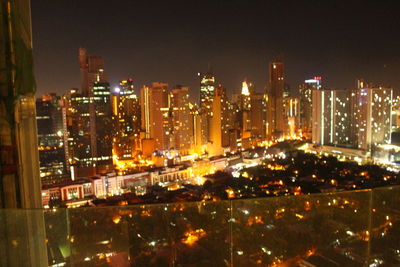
point(126, 119)
point(50, 139)
point(306, 107)
point(180, 120)
point(275, 93)
point(157, 116)
point(372, 112)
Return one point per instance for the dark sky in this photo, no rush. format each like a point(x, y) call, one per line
point(174, 40)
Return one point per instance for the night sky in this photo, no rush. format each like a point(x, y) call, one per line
point(172, 41)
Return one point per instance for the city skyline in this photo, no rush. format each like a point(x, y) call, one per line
point(237, 39)
point(114, 164)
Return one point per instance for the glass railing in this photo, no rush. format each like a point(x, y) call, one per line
point(351, 228)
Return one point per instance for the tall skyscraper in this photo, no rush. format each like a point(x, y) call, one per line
point(126, 119)
point(258, 117)
point(101, 125)
point(50, 139)
point(245, 108)
point(88, 120)
point(332, 117)
point(226, 114)
point(214, 147)
point(372, 109)
point(195, 129)
point(92, 71)
point(180, 118)
point(275, 92)
point(156, 116)
point(306, 108)
point(207, 88)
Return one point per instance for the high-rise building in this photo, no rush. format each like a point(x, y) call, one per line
point(88, 142)
point(92, 71)
point(332, 118)
point(88, 120)
point(258, 117)
point(275, 92)
point(207, 88)
point(245, 108)
point(226, 115)
point(215, 140)
point(77, 139)
point(291, 110)
point(305, 91)
point(372, 109)
point(156, 116)
point(180, 118)
point(236, 119)
point(195, 129)
point(101, 125)
point(51, 139)
point(126, 119)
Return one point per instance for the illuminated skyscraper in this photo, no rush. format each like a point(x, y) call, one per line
point(50, 139)
point(156, 116)
point(88, 123)
point(78, 138)
point(126, 118)
point(226, 115)
point(332, 117)
point(102, 128)
point(207, 88)
point(180, 118)
point(92, 71)
point(291, 109)
point(275, 91)
point(88, 120)
point(195, 129)
point(245, 107)
point(215, 145)
point(258, 117)
point(305, 90)
point(372, 109)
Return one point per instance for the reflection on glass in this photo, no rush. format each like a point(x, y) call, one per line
point(352, 228)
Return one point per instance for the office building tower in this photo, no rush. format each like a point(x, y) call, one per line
point(372, 109)
point(332, 118)
point(101, 125)
point(245, 108)
point(306, 108)
point(156, 117)
point(258, 117)
point(126, 119)
point(92, 71)
point(88, 120)
point(219, 123)
point(51, 139)
point(207, 88)
point(195, 129)
point(180, 119)
point(236, 120)
point(226, 115)
point(77, 141)
point(275, 92)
